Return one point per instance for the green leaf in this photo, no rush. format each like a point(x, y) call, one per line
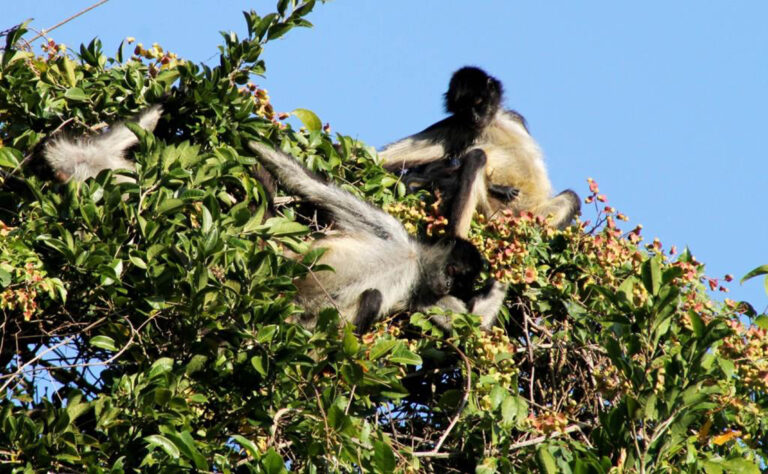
point(278, 30)
point(727, 366)
point(103, 342)
point(163, 443)
point(5, 278)
point(282, 6)
point(381, 348)
point(762, 321)
point(383, 457)
point(509, 411)
point(404, 356)
point(258, 363)
point(69, 71)
point(741, 466)
point(196, 363)
point(273, 463)
point(309, 119)
point(9, 157)
point(169, 205)
point(138, 261)
point(161, 366)
point(266, 333)
point(651, 273)
point(249, 445)
point(286, 228)
point(713, 467)
point(76, 409)
point(761, 270)
point(698, 324)
point(626, 288)
point(186, 445)
point(350, 343)
point(546, 461)
point(76, 94)
point(207, 220)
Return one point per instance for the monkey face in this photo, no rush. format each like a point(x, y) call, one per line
point(462, 268)
point(473, 96)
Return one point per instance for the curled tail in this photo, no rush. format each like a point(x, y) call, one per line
point(84, 158)
point(349, 212)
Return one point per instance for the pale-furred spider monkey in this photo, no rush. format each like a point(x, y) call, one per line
point(480, 157)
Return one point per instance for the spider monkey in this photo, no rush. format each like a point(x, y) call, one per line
point(378, 267)
point(512, 174)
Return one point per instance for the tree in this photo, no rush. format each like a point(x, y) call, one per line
point(144, 324)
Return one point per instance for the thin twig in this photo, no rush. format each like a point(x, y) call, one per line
point(29, 156)
point(23, 367)
point(540, 439)
point(44, 32)
point(435, 452)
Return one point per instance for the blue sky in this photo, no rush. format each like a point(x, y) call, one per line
point(662, 103)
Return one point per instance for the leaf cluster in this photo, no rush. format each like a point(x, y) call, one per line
point(147, 325)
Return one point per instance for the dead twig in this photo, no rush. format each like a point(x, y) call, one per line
point(45, 31)
point(435, 452)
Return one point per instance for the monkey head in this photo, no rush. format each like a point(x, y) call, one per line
point(473, 96)
point(451, 269)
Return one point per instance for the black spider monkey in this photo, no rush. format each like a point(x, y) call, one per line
point(378, 268)
point(510, 175)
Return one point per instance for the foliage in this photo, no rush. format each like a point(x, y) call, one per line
point(144, 324)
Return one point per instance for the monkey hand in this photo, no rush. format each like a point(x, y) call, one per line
point(505, 193)
point(452, 163)
point(488, 302)
point(413, 182)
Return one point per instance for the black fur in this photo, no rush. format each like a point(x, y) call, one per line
point(473, 97)
point(368, 310)
point(466, 263)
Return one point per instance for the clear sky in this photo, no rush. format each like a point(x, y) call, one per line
point(662, 103)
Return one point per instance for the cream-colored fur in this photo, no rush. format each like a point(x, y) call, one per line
point(513, 159)
point(85, 157)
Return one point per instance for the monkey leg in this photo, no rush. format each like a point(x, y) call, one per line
point(562, 207)
point(367, 310)
point(471, 191)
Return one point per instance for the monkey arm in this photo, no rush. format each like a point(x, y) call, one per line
point(424, 147)
point(471, 191)
point(410, 152)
